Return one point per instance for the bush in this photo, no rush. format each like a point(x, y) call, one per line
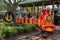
point(8, 31)
point(20, 30)
point(8, 23)
point(29, 27)
point(22, 24)
point(12, 31)
point(5, 32)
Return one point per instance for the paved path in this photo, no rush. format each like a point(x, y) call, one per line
point(55, 36)
point(38, 36)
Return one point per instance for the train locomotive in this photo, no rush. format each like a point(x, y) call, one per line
point(47, 21)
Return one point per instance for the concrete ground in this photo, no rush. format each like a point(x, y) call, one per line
point(37, 36)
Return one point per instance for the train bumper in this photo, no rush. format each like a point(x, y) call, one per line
point(49, 28)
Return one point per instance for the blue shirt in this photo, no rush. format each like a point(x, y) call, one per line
point(17, 12)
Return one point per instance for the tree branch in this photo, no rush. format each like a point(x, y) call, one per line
point(14, 1)
point(5, 2)
point(19, 1)
point(10, 3)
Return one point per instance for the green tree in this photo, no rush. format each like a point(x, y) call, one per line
point(3, 6)
point(12, 5)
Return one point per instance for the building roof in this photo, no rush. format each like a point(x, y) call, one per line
point(30, 1)
point(37, 2)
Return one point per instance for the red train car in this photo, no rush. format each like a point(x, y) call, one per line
point(47, 21)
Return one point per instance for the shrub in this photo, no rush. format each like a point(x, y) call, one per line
point(8, 31)
point(29, 27)
point(20, 30)
point(5, 32)
point(11, 31)
point(22, 24)
point(8, 23)
point(34, 27)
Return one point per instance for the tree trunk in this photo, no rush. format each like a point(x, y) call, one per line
point(13, 10)
point(14, 13)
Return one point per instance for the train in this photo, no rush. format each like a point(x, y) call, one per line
point(45, 20)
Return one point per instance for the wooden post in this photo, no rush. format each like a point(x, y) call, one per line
point(33, 9)
point(26, 19)
point(53, 9)
point(42, 5)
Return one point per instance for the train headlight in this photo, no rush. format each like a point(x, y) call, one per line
point(49, 28)
point(49, 18)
